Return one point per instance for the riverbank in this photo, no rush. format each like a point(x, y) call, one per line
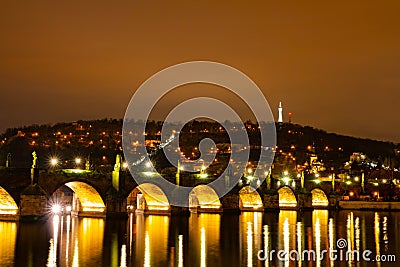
point(369, 205)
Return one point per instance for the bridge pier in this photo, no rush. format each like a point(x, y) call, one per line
point(334, 199)
point(271, 201)
point(33, 203)
point(230, 203)
point(304, 201)
point(116, 205)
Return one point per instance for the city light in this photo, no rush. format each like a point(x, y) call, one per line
point(54, 162)
point(56, 209)
point(125, 165)
point(148, 164)
point(78, 160)
point(203, 175)
point(286, 180)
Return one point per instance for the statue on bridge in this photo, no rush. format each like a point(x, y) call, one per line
point(34, 161)
point(8, 160)
point(117, 166)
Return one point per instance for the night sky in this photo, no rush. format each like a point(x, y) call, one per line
point(334, 64)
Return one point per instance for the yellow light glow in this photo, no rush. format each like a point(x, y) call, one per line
point(93, 209)
point(7, 203)
point(89, 198)
point(319, 198)
point(203, 248)
point(286, 197)
point(250, 198)
point(206, 197)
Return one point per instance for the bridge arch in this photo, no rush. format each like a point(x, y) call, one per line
point(287, 198)
point(204, 198)
point(319, 198)
point(86, 200)
point(7, 203)
point(250, 199)
point(148, 196)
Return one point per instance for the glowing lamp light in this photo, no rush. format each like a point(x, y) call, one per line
point(125, 165)
point(78, 161)
point(68, 208)
point(317, 181)
point(203, 175)
point(250, 178)
point(286, 173)
point(384, 181)
point(286, 180)
point(356, 178)
point(148, 164)
point(348, 182)
point(351, 194)
point(56, 209)
point(53, 162)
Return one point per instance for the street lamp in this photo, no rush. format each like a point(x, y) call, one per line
point(78, 162)
point(53, 162)
point(125, 165)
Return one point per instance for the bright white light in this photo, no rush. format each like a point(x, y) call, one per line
point(148, 164)
point(316, 175)
point(286, 180)
point(78, 161)
point(56, 209)
point(68, 208)
point(286, 173)
point(124, 165)
point(54, 161)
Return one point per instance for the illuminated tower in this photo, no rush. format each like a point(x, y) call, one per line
point(280, 111)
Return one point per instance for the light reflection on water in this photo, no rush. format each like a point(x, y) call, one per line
point(198, 240)
point(8, 234)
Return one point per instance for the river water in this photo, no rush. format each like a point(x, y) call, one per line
point(204, 240)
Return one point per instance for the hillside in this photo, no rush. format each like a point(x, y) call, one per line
point(101, 139)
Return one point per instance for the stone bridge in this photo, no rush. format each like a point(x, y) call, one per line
point(32, 193)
